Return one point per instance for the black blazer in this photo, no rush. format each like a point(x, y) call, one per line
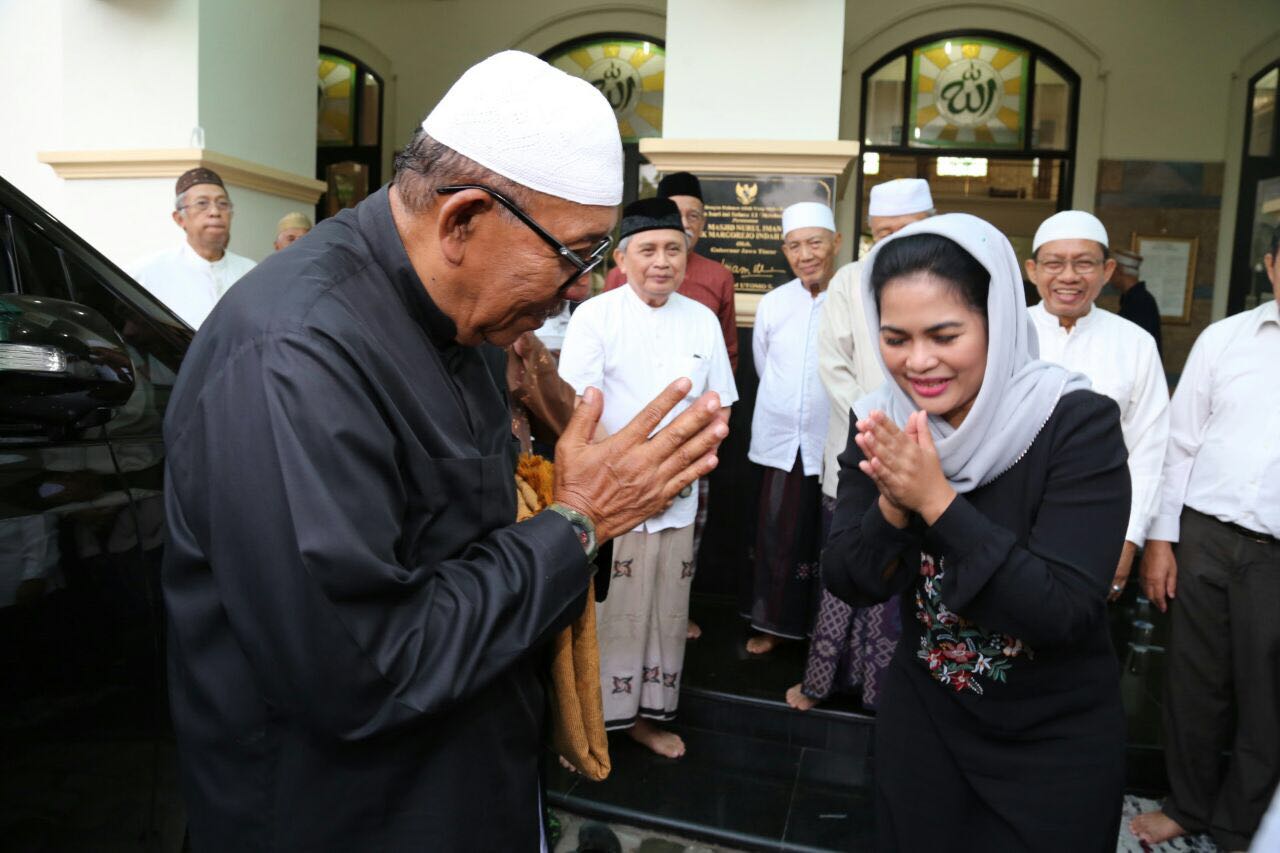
point(1031, 554)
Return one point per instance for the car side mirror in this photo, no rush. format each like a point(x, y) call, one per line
point(63, 367)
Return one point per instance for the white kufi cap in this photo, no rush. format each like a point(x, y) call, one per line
point(516, 115)
point(807, 214)
point(900, 197)
point(1070, 225)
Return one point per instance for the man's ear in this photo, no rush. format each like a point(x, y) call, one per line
point(1108, 269)
point(458, 216)
point(1030, 266)
point(177, 218)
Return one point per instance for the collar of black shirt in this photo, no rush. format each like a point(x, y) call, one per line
point(379, 229)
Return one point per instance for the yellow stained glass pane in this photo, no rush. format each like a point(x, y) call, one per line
point(612, 51)
point(1013, 87)
point(970, 50)
point(925, 115)
point(925, 85)
point(582, 57)
point(651, 114)
point(1008, 117)
point(938, 57)
point(655, 82)
point(1002, 58)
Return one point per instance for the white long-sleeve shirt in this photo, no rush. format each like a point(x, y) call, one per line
point(848, 365)
point(632, 351)
point(791, 407)
point(1121, 360)
point(188, 284)
point(1224, 428)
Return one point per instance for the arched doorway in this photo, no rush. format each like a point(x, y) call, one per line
point(349, 96)
point(629, 70)
point(1258, 210)
point(989, 119)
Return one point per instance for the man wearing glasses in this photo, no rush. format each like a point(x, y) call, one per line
point(191, 278)
point(356, 625)
point(630, 343)
point(1070, 263)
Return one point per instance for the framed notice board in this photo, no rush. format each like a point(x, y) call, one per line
point(1169, 270)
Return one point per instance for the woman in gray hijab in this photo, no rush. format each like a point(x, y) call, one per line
point(989, 490)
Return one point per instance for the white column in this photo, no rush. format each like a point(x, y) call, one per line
point(753, 69)
point(112, 95)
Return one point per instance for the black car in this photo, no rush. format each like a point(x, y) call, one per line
point(87, 363)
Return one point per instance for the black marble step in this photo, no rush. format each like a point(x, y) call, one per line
point(732, 790)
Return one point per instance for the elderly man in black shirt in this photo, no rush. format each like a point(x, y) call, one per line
point(354, 620)
point(1137, 305)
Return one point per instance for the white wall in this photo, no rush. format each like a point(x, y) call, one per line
point(32, 112)
point(430, 44)
point(753, 69)
point(257, 80)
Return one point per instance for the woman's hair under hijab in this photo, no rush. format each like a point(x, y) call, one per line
point(938, 256)
point(425, 165)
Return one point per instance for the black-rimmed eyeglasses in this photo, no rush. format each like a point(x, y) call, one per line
point(581, 265)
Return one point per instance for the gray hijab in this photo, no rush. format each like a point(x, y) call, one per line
point(1018, 392)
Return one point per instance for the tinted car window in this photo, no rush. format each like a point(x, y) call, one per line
point(156, 356)
point(7, 282)
point(39, 263)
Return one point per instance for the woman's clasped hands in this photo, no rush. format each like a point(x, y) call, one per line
point(904, 465)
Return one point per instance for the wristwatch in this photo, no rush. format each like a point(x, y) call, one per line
point(582, 526)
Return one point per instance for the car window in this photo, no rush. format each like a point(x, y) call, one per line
point(156, 356)
point(39, 263)
point(7, 282)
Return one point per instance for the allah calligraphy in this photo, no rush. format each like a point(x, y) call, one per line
point(970, 93)
point(617, 81)
point(629, 73)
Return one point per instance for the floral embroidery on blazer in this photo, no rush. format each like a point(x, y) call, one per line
point(955, 650)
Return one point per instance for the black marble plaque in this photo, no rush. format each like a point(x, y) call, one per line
point(743, 227)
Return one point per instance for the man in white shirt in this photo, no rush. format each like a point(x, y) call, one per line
point(191, 278)
point(788, 428)
point(1213, 560)
point(628, 342)
point(853, 645)
point(1069, 264)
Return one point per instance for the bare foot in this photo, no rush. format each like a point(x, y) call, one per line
point(796, 699)
point(762, 644)
point(693, 632)
point(1155, 827)
point(659, 740)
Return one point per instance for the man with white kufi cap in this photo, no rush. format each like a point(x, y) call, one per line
point(1137, 305)
point(1070, 263)
point(355, 620)
point(853, 644)
point(788, 427)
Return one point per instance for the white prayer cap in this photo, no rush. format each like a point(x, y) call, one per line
point(1070, 225)
point(807, 214)
point(1130, 262)
point(900, 197)
point(516, 115)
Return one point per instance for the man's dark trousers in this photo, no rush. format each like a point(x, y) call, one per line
point(1222, 688)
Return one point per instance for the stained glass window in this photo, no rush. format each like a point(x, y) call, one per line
point(968, 93)
point(629, 72)
point(335, 100)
